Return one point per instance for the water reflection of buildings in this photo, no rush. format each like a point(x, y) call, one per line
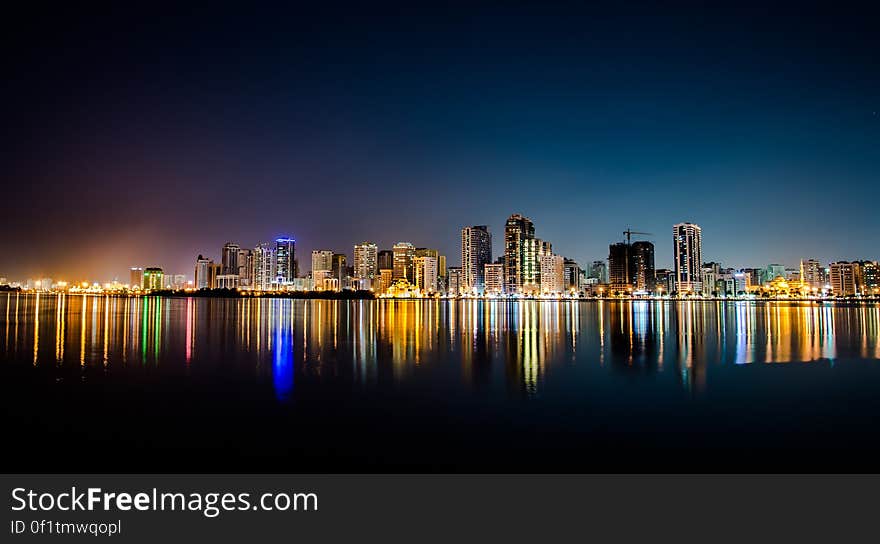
point(476, 344)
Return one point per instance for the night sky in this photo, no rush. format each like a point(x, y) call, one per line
point(134, 138)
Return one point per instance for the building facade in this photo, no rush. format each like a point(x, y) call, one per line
point(687, 247)
point(285, 261)
point(493, 274)
point(404, 265)
point(518, 230)
point(476, 253)
point(366, 264)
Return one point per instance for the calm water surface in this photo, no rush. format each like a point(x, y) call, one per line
point(94, 383)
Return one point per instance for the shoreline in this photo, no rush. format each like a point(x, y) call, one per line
point(369, 296)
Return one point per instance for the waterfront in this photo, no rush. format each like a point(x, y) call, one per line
point(187, 384)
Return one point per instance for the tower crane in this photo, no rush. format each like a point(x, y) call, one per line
point(629, 232)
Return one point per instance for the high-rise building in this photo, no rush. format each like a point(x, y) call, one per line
point(476, 252)
point(229, 258)
point(202, 273)
point(493, 274)
point(322, 266)
point(642, 265)
point(264, 267)
point(385, 259)
point(426, 274)
point(619, 267)
point(812, 274)
point(136, 278)
point(339, 270)
point(572, 275)
point(517, 230)
point(687, 250)
point(844, 278)
point(870, 276)
point(533, 251)
point(215, 270)
point(246, 268)
point(154, 278)
point(285, 261)
point(454, 280)
point(599, 270)
point(552, 274)
point(386, 278)
point(366, 260)
point(404, 254)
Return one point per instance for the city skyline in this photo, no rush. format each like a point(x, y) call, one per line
point(335, 127)
point(527, 266)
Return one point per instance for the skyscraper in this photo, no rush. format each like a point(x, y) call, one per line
point(136, 279)
point(339, 270)
point(404, 254)
point(385, 260)
point(322, 266)
point(534, 250)
point(366, 260)
point(812, 273)
point(687, 250)
point(229, 258)
point(552, 274)
point(572, 275)
point(264, 267)
point(285, 257)
point(202, 273)
point(476, 252)
point(642, 265)
point(844, 278)
point(154, 278)
point(619, 267)
point(426, 274)
point(494, 278)
point(517, 230)
point(246, 267)
point(599, 270)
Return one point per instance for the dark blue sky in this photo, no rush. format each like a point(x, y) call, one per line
point(140, 139)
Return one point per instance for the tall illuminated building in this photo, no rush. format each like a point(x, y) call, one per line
point(534, 250)
point(246, 268)
point(476, 253)
point(425, 269)
point(517, 231)
point(619, 268)
point(572, 275)
point(366, 260)
point(454, 279)
point(870, 277)
point(229, 258)
point(812, 274)
point(322, 265)
point(386, 278)
point(642, 265)
point(339, 268)
point(264, 267)
point(493, 275)
point(136, 278)
point(285, 261)
point(845, 278)
point(404, 255)
point(687, 249)
point(154, 278)
point(385, 260)
point(202, 276)
point(552, 274)
point(599, 271)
